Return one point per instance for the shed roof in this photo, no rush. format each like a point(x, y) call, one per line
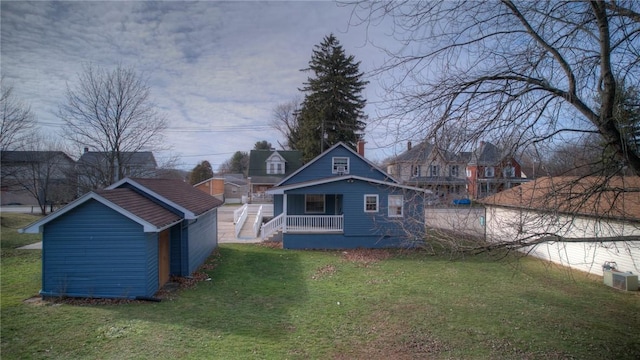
point(140, 206)
point(616, 197)
point(174, 192)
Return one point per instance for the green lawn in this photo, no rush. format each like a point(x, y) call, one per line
point(264, 303)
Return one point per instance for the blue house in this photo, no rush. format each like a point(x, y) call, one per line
point(127, 240)
point(341, 200)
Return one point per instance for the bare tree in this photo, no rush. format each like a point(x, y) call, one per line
point(42, 170)
point(285, 121)
point(17, 121)
point(530, 71)
point(112, 111)
point(536, 73)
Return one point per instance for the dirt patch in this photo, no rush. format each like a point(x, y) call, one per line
point(366, 256)
point(272, 244)
point(323, 271)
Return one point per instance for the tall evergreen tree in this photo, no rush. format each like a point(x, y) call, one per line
point(332, 110)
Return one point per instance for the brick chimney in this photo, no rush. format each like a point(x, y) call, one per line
point(360, 147)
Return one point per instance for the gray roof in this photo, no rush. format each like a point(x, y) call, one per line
point(8, 157)
point(181, 193)
point(140, 206)
point(258, 162)
point(130, 158)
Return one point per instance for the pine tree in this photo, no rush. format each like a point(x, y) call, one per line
point(332, 110)
point(201, 172)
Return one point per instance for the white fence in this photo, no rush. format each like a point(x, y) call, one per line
point(239, 217)
point(272, 226)
point(258, 222)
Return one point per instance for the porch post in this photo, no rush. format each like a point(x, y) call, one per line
point(284, 213)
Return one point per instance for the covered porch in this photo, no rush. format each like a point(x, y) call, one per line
point(307, 213)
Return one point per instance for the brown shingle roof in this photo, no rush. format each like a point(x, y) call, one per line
point(140, 206)
point(617, 197)
point(182, 194)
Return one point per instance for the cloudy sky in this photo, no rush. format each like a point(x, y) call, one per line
point(216, 69)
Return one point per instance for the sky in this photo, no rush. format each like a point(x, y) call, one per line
point(216, 69)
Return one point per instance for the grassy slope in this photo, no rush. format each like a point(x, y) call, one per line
point(277, 304)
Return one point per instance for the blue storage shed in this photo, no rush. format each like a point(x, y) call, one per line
point(340, 200)
point(127, 240)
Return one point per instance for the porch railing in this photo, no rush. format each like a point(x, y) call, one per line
point(242, 217)
point(258, 222)
point(304, 223)
point(315, 223)
point(238, 212)
point(272, 226)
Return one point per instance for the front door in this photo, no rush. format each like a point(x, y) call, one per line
point(163, 258)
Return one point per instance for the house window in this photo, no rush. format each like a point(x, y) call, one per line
point(468, 172)
point(454, 170)
point(395, 205)
point(434, 170)
point(271, 171)
point(509, 172)
point(340, 165)
point(416, 170)
point(371, 203)
point(314, 204)
point(489, 171)
point(279, 169)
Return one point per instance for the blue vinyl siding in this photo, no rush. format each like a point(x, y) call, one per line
point(322, 168)
point(177, 249)
point(361, 229)
point(203, 239)
point(93, 251)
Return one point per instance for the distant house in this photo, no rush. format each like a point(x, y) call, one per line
point(230, 188)
point(341, 200)
point(127, 240)
point(429, 167)
point(269, 167)
point(36, 177)
point(475, 174)
point(97, 170)
point(598, 224)
point(491, 170)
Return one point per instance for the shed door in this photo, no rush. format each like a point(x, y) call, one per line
point(163, 257)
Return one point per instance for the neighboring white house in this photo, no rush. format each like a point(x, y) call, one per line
point(584, 231)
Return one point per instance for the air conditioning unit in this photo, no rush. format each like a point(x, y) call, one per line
point(341, 169)
point(621, 280)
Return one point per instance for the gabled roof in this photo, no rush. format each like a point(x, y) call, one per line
point(616, 198)
point(339, 144)
point(282, 189)
point(175, 193)
point(129, 157)
point(258, 161)
point(152, 216)
point(486, 154)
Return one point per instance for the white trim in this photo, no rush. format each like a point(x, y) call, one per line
point(278, 190)
point(374, 166)
point(339, 169)
point(36, 227)
point(377, 203)
point(188, 214)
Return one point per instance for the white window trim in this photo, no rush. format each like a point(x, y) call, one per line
point(324, 204)
point(389, 206)
point(377, 203)
point(334, 170)
point(489, 172)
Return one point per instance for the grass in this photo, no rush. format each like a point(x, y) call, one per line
point(264, 303)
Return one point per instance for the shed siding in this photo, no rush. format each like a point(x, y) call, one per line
point(93, 251)
point(177, 249)
point(321, 168)
point(502, 223)
point(203, 239)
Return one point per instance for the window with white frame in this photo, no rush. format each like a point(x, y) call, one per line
point(314, 204)
point(396, 203)
point(489, 171)
point(275, 164)
point(468, 172)
point(415, 170)
point(434, 170)
point(340, 165)
point(454, 170)
point(371, 203)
